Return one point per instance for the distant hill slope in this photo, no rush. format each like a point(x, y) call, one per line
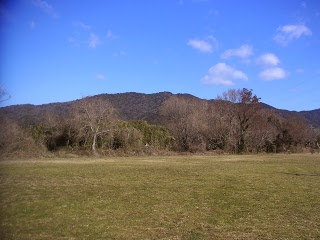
point(131, 106)
point(137, 106)
point(311, 117)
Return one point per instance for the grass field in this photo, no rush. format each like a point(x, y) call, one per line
point(183, 197)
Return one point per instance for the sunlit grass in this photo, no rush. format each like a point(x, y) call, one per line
point(184, 197)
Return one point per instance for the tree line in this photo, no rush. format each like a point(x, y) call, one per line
point(234, 122)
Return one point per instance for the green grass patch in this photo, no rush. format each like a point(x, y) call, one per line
point(184, 197)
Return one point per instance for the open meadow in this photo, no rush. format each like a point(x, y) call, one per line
point(176, 197)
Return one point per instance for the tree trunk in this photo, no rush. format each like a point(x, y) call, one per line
point(94, 143)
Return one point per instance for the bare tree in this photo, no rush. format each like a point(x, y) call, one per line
point(217, 131)
point(185, 118)
point(4, 96)
point(14, 139)
point(299, 131)
point(96, 117)
point(263, 131)
point(240, 107)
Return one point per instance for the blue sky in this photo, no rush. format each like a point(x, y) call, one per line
point(56, 51)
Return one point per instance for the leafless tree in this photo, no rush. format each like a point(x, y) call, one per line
point(96, 117)
point(14, 139)
point(263, 131)
point(3, 94)
point(240, 107)
point(185, 118)
point(217, 131)
point(299, 131)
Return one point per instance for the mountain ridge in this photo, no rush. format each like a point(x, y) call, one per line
point(132, 106)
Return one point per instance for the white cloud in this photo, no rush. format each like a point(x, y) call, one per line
point(100, 76)
point(222, 74)
point(202, 46)
point(273, 74)
point(244, 51)
point(213, 12)
point(268, 60)
point(213, 42)
point(45, 7)
point(82, 25)
point(287, 33)
point(111, 35)
point(121, 53)
point(299, 70)
point(73, 41)
point(32, 24)
point(94, 40)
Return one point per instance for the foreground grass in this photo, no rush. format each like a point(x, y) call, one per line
point(220, 197)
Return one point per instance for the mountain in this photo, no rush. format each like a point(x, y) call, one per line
point(137, 106)
point(130, 106)
point(312, 117)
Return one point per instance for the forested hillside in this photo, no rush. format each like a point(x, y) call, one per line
point(136, 123)
point(132, 106)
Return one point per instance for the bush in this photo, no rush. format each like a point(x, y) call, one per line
point(14, 140)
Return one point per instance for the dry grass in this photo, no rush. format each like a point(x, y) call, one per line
point(182, 197)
